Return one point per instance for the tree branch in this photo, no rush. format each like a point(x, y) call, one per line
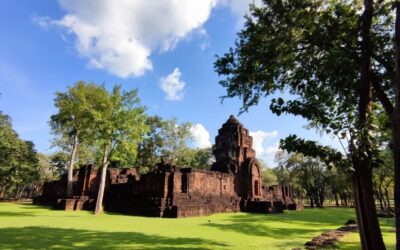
point(382, 96)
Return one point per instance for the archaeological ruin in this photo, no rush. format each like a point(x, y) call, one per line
point(233, 184)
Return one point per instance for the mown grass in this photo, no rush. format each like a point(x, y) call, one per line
point(352, 241)
point(25, 226)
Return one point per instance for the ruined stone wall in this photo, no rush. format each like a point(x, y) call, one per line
point(210, 183)
point(233, 184)
point(154, 184)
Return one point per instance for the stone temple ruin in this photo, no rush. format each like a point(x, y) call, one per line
point(233, 184)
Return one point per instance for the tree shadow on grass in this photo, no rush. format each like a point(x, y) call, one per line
point(258, 229)
point(315, 222)
point(51, 238)
point(10, 214)
point(311, 217)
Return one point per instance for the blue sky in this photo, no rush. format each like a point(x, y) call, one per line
point(165, 48)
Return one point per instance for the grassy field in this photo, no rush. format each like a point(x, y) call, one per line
point(351, 241)
point(24, 226)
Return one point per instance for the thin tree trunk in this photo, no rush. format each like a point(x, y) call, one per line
point(311, 201)
point(17, 192)
point(22, 192)
point(380, 199)
point(70, 187)
point(3, 191)
point(100, 196)
point(385, 205)
point(387, 198)
point(396, 126)
point(336, 200)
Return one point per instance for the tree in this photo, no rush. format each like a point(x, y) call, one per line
point(175, 138)
point(74, 120)
point(196, 158)
point(120, 126)
point(149, 150)
point(58, 162)
point(339, 185)
point(383, 179)
point(269, 177)
point(313, 50)
point(310, 174)
point(168, 140)
point(19, 166)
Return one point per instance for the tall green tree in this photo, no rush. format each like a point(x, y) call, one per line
point(73, 122)
point(149, 150)
point(175, 137)
point(120, 127)
point(196, 158)
point(19, 165)
point(320, 52)
point(311, 175)
point(168, 140)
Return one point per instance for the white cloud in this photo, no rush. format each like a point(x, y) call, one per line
point(259, 138)
point(201, 137)
point(119, 36)
point(239, 8)
point(173, 86)
point(272, 149)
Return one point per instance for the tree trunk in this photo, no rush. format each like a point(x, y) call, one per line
point(3, 191)
point(100, 196)
point(370, 232)
point(70, 187)
point(379, 194)
point(387, 198)
point(336, 200)
point(17, 192)
point(385, 205)
point(396, 126)
point(22, 192)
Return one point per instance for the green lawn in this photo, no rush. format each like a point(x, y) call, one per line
point(352, 241)
point(24, 226)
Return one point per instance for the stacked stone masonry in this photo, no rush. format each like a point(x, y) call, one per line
point(233, 184)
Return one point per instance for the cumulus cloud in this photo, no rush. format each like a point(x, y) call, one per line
point(201, 137)
point(239, 7)
point(119, 36)
point(272, 149)
point(173, 86)
point(259, 139)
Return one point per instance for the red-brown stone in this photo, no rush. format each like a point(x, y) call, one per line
point(233, 184)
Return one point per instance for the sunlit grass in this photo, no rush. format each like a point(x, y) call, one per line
point(352, 241)
point(24, 226)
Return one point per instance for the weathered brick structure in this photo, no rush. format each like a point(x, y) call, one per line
point(233, 184)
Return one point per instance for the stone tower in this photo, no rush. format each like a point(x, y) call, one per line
point(233, 146)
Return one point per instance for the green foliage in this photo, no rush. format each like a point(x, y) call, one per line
point(149, 150)
point(312, 50)
point(58, 162)
point(310, 174)
point(75, 112)
point(196, 158)
point(86, 151)
point(166, 140)
point(175, 139)
point(119, 124)
point(19, 165)
point(330, 156)
point(269, 177)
